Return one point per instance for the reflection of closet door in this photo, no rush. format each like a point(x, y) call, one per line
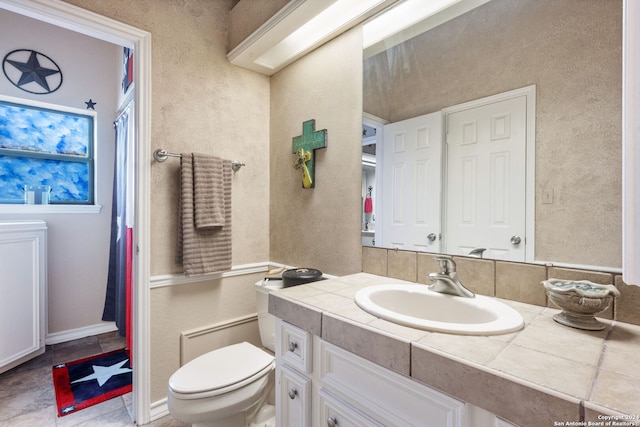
point(412, 183)
point(486, 177)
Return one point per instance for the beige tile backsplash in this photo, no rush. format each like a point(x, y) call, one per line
point(375, 261)
point(508, 280)
point(478, 274)
point(521, 282)
point(402, 265)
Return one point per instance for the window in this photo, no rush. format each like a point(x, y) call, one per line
point(46, 146)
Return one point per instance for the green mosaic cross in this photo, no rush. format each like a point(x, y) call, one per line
point(309, 141)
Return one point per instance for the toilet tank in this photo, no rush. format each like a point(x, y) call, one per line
point(266, 321)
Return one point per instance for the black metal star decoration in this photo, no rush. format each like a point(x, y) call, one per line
point(31, 71)
point(90, 104)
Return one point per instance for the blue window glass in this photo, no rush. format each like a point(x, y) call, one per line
point(42, 146)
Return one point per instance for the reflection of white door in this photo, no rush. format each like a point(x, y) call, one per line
point(411, 173)
point(486, 179)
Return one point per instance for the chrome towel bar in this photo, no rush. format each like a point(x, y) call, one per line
point(161, 155)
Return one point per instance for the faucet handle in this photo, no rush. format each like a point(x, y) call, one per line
point(447, 264)
point(477, 252)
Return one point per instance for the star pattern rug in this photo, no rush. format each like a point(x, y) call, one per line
point(92, 380)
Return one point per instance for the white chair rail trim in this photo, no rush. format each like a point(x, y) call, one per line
point(162, 280)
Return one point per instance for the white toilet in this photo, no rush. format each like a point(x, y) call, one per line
point(228, 387)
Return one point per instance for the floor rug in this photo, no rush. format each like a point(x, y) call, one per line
point(89, 381)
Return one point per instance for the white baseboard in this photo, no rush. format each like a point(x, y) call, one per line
point(158, 409)
point(85, 331)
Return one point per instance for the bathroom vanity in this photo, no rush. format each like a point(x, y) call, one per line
point(339, 366)
point(321, 384)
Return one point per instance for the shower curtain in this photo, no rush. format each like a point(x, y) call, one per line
point(118, 297)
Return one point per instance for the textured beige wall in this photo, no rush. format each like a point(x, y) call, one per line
point(571, 49)
point(201, 103)
point(319, 227)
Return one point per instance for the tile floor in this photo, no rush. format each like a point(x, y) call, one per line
point(27, 397)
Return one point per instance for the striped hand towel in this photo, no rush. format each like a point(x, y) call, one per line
point(208, 191)
point(202, 250)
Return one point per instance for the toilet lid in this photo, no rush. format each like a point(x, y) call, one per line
point(220, 369)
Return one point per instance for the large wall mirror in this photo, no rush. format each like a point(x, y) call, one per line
point(569, 52)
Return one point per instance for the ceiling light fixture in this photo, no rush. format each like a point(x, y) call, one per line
point(336, 18)
point(298, 28)
point(410, 18)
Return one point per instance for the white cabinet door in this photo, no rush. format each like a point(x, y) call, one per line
point(22, 286)
point(294, 347)
point(478, 417)
point(486, 180)
point(411, 183)
point(335, 413)
point(388, 397)
point(294, 399)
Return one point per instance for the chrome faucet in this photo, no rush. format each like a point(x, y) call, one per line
point(446, 281)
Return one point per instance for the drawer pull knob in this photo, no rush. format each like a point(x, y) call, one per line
point(292, 346)
point(293, 393)
point(332, 422)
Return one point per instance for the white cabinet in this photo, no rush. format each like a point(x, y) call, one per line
point(294, 347)
point(478, 417)
point(23, 288)
point(385, 396)
point(319, 384)
point(293, 383)
point(335, 413)
point(295, 404)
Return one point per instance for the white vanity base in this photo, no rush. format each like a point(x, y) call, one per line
point(319, 384)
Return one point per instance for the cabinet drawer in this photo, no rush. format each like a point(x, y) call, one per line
point(478, 417)
point(294, 407)
point(295, 347)
point(390, 398)
point(335, 413)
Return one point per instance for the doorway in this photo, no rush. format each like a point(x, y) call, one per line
point(489, 186)
point(452, 182)
point(411, 173)
point(82, 21)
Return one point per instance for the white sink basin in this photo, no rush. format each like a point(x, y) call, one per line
point(418, 307)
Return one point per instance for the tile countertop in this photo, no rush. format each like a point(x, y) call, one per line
point(546, 374)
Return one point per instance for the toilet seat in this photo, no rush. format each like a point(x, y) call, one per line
point(221, 371)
